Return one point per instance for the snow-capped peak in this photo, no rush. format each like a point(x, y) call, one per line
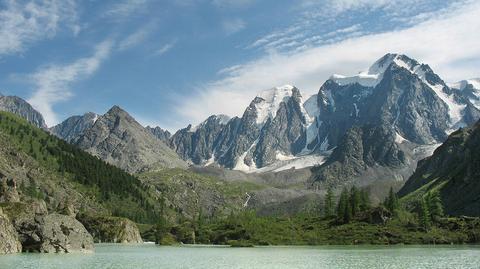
point(374, 74)
point(222, 118)
point(270, 102)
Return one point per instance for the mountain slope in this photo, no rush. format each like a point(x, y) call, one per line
point(454, 170)
point(120, 140)
point(23, 109)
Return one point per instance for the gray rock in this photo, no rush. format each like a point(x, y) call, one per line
point(47, 233)
point(9, 242)
point(8, 190)
point(23, 109)
point(160, 133)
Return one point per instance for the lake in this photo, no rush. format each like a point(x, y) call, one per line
point(185, 257)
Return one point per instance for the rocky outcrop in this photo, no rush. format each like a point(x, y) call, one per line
point(8, 190)
point(120, 140)
point(160, 133)
point(360, 149)
point(9, 242)
point(73, 127)
point(47, 233)
point(108, 229)
point(23, 109)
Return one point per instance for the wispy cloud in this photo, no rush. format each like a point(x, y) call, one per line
point(316, 21)
point(24, 22)
point(165, 48)
point(125, 8)
point(52, 83)
point(448, 43)
point(232, 26)
point(139, 36)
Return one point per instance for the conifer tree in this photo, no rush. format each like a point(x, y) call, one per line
point(342, 206)
point(329, 203)
point(434, 203)
point(424, 214)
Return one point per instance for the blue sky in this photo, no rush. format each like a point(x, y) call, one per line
point(174, 62)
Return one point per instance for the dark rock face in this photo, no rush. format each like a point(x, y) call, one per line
point(161, 134)
point(360, 148)
point(23, 109)
point(8, 190)
point(196, 144)
point(454, 168)
point(73, 127)
point(120, 140)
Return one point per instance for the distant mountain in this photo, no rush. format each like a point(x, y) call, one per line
point(454, 170)
point(160, 133)
point(23, 109)
point(274, 127)
point(119, 139)
point(397, 112)
point(73, 127)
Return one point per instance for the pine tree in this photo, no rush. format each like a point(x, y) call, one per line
point(434, 203)
point(424, 214)
point(391, 203)
point(355, 201)
point(329, 203)
point(365, 200)
point(342, 205)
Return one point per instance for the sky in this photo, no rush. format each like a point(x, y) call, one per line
point(174, 62)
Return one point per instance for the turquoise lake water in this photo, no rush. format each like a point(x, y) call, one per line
point(186, 257)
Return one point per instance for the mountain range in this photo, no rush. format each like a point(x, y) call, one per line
point(375, 125)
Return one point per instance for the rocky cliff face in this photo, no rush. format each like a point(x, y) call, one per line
point(47, 233)
point(17, 105)
point(196, 144)
point(161, 134)
point(74, 127)
point(120, 140)
point(9, 242)
point(454, 170)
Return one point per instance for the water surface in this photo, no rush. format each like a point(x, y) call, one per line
point(186, 257)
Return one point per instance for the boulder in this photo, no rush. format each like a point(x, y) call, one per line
point(42, 232)
point(109, 229)
point(9, 242)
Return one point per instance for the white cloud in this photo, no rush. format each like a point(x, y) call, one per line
point(52, 83)
point(25, 22)
point(164, 49)
point(232, 26)
point(449, 44)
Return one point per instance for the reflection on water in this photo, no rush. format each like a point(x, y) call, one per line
point(151, 256)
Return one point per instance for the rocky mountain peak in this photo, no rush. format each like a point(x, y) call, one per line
point(22, 108)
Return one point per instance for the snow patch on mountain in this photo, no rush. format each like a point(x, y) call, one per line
point(270, 104)
point(297, 162)
point(240, 165)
